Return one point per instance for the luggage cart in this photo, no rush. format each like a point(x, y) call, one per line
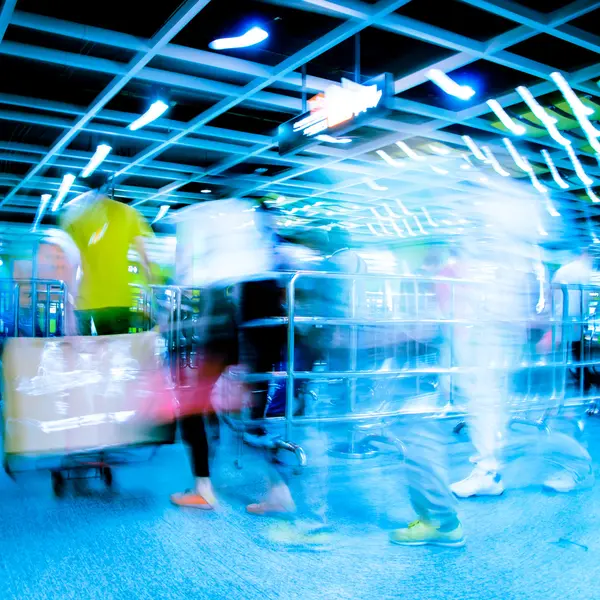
point(44, 423)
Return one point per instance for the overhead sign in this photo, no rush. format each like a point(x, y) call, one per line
point(339, 109)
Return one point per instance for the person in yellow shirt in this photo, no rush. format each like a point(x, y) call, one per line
point(104, 231)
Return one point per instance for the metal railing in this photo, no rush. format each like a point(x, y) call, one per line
point(398, 318)
point(32, 307)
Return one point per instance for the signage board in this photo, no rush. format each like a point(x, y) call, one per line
point(340, 108)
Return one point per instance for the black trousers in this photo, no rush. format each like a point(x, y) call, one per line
point(218, 351)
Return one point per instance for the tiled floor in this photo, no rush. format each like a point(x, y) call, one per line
point(131, 543)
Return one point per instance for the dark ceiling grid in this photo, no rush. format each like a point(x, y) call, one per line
point(270, 89)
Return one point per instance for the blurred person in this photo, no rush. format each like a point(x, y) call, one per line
point(104, 231)
point(220, 248)
point(303, 499)
point(216, 349)
point(492, 258)
point(578, 272)
point(56, 259)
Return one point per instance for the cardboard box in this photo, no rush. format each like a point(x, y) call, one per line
point(76, 394)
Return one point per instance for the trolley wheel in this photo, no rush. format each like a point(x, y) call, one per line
point(458, 428)
point(106, 475)
point(58, 483)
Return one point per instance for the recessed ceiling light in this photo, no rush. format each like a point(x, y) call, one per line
point(205, 191)
point(261, 170)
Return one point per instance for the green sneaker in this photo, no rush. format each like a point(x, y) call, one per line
point(419, 533)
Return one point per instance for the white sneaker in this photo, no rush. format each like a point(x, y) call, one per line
point(564, 482)
point(479, 483)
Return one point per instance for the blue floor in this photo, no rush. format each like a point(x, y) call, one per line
point(132, 544)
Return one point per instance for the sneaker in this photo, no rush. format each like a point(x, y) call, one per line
point(479, 483)
point(419, 533)
point(566, 481)
point(191, 499)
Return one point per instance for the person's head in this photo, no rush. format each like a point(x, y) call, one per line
point(97, 182)
point(339, 239)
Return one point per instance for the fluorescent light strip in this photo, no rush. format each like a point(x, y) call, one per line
point(332, 140)
point(397, 229)
point(253, 36)
point(389, 160)
point(156, 110)
point(542, 231)
point(374, 186)
point(102, 151)
point(583, 176)
point(403, 208)
point(373, 230)
point(551, 209)
point(41, 210)
point(474, 148)
point(437, 149)
point(536, 183)
point(507, 121)
point(591, 195)
point(164, 209)
point(408, 228)
point(428, 217)
point(439, 170)
point(571, 97)
point(63, 190)
point(519, 160)
point(419, 225)
point(560, 182)
point(409, 151)
point(390, 212)
point(494, 162)
point(464, 92)
point(548, 121)
point(579, 109)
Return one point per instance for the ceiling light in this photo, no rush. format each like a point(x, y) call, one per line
point(164, 209)
point(428, 217)
point(408, 228)
point(388, 159)
point(474, 148)
point(333, 140)
point(548, 121)
point(156, 110)
point(583, 176)
point(41, 210)
point(403, 208)
point(562, 184)
point(505, 118)
point(374, 186)
point(102, 151)
point(536, 183)
point(591, 195)
point(261, 170)
point(409, 151)
point(373, 230)
point(464, 92)
point(439, 170)
point(494, 162)
point(521, 162)
point(551, 209)
point(441, 150)
point(63, 190)
point(205, 191)
point(253, 36)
